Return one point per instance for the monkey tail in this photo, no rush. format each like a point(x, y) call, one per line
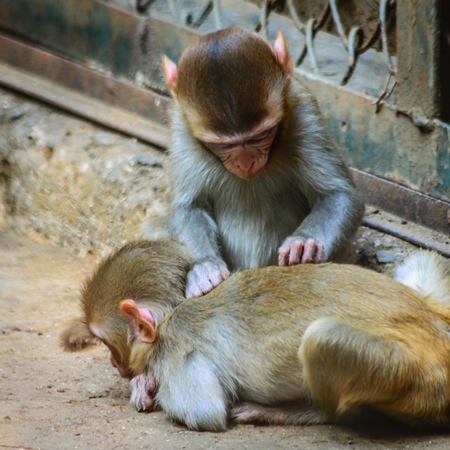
point(77, 336)
point(428, 273)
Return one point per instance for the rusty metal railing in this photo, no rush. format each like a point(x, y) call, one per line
point(354, 41)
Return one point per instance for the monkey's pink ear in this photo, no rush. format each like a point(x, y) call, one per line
point(282, 54)
point(142, 320)
point(170, 72)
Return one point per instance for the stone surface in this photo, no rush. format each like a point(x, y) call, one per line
point(50, 399)
point(80, 186)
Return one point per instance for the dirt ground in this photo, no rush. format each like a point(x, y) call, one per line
point(69, 193)
point(51, 399)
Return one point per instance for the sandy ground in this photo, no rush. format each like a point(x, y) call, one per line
point(56, 168)
point(56, 400)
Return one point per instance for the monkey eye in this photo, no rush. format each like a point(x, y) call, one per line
point(264, 135)
point(217, 147)
point(257, 139)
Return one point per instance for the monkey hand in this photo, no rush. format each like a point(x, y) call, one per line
point(142, 388)
point(296, 250)
point(205, 276)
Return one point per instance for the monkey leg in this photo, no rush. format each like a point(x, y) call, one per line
point(294, 413)
point(190, 392)
point(347, 368)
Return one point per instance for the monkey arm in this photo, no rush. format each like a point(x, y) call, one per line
point(325, 180)
point(194, 227)
point(326, 231)
point(193, 394)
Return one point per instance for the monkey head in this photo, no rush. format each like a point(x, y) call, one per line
point(231, 89)
point(130, 292)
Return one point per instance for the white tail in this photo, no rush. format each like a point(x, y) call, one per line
point(428, 273)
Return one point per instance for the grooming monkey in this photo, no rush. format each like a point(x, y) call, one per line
point(256, 179)
point(285, 345)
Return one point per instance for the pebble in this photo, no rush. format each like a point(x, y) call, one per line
point(384, 256)
point(104, 138)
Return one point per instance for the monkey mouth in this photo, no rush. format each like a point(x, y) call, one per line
point(249, 176)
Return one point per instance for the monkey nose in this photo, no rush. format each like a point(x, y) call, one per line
point(124, 372)
point(246, 166)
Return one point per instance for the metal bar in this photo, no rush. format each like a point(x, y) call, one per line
point(104, 87)
point(218, 14)
point(417, 235)
point(411, 205)
point(84, 106)
point(86, 30)
point(384, 41)
point(85, 92)
point(418, 45)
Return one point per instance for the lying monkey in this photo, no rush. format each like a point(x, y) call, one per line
point(284, 345)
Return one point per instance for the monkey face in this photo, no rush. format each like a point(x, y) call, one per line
point(246, 155)
point(125, 372)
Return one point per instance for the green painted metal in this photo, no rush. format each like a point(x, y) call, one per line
point(91, 32)
point(418, 63)
point(386, 143)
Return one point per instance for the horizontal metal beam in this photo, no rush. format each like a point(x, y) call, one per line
point(411, 205)
point(82, 91)
point(83, 30)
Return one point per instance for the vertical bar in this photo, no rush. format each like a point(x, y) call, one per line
point(418, 47)
point(445, 60)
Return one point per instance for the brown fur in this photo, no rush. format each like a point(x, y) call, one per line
point(326, 341)
point(228, 99)
point(139, 270)
point(77, 336)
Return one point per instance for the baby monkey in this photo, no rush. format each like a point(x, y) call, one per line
point(256, 179)
point(305, 344)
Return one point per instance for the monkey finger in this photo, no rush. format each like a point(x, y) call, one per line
point(144, 404)
point(147, 403)
point(283, 256)
point(297, 248)
point(193, 290)
point(151, 383)
point(141, 387)
point(309, 252)
point(215, 278)
point(320, 251)
point(225, 273)
point(198, 287)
